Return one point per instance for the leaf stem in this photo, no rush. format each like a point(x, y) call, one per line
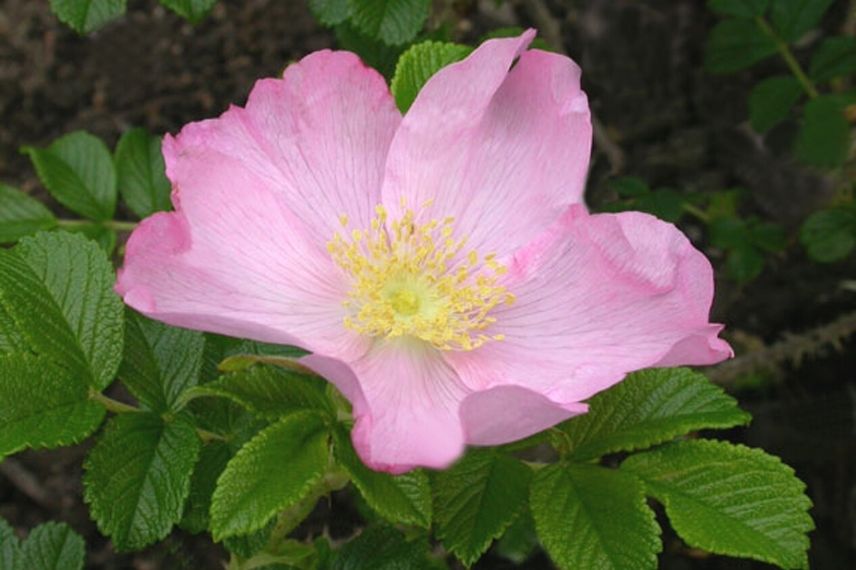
point(110, 404)
point(787, 55)
point(115, 225)
point(697, 212)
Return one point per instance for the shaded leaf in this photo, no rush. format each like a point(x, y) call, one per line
point(192, 10)
point(771, 101)
point(53, 546)
point(477, 499)
point(137, 477)
point(85, 16)
point(394, 22)
point(793, 18)
point(212, 461)
point(21, 215)
point(829, 235)
point(835, 57)
point(591, 517)
point(824, 138)
point(77, 170)
point(739, 8)
point(330, 12)
point(271, 472)
point(735, 44)
point(140, 172)
point(382, 548)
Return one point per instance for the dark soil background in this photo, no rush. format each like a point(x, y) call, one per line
point(663, 118)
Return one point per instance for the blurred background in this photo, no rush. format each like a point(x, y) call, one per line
point(760, 178)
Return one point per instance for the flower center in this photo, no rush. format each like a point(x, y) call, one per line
point(410, 279)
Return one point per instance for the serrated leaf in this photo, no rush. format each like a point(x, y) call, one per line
point(268, 392)
point(160, 362)
point(591, 517)
point(103, 236)
point(824, 138)
point(78, 171)
point(519, 540)
point(21, 215)
point(273, 471)
point(330, 12)
point(476, 500)
point(42, 405)
point(246, 545)
point(771, 100)
point(736, 44)
point(140, 173)
point(835, 57)
point(829, 235)
point(744, 263)
point(729, 499)
point(793, 18)
point(53, 546)
point(137, 477)
point(739, 8)
point(650, 407)
point(192, 10)
point(418, 64)
point(212, 461)
point(85, 16)
point(10, 547)
point(57, 288)
point(400, 499)
point(381, 548)
point(394, 22)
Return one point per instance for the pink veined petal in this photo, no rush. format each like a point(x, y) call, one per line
point(238, 267)
point(507, 413)
point(319, 137)
point(406, 406)
point(258, 193)
point(598, 296)
point(504, 150)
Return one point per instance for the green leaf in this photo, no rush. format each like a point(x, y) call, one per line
point(729, 499)
point(77, 170)
point(85, 16)
point(768, 236)
point(402, 499)
point(373, 52)
point(10, 547)
point(140, 172)
point(382, 548)
point(138, 477)
point(519, 541)
point(273, 471)
point(58, 290)
point(771, 101)
point(630, 186)
point(739, 8)
point(793, 18)
point(477, 499)
point(418, 64)
point(160, 362)
point(591, 517)
point(835, 57)
point(650, 407)
point(212, 461)
point(53, 546)
point(829, 235)
point(330, 12)
point(104, 237)
point(744, 263)
point(665, 203)
point(737, 44)
point(394, 22)
point(21, 215)
point(246, 545)
point(824, 138)
point(269, 392)
point(42, 405)
point(192, 10)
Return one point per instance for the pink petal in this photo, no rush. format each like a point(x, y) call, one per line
point(258, 192)
point(503, 152)
point(508, 413)
point(597, 297)
point(318, 137)
point(406, 406)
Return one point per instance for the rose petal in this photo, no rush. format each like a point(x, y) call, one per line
point(503, 152)
point(598, 297)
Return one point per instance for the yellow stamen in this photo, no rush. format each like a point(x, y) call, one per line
point(412, 279)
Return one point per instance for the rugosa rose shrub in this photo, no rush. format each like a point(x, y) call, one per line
point(440, 267)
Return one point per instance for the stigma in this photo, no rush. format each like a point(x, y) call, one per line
point(414, 279)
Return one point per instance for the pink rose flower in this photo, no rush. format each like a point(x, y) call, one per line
point(440, 267)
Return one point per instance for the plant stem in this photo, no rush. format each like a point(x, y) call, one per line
point(786, 53)
point(112, 405)
point(116, 225)
point(697, 212)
